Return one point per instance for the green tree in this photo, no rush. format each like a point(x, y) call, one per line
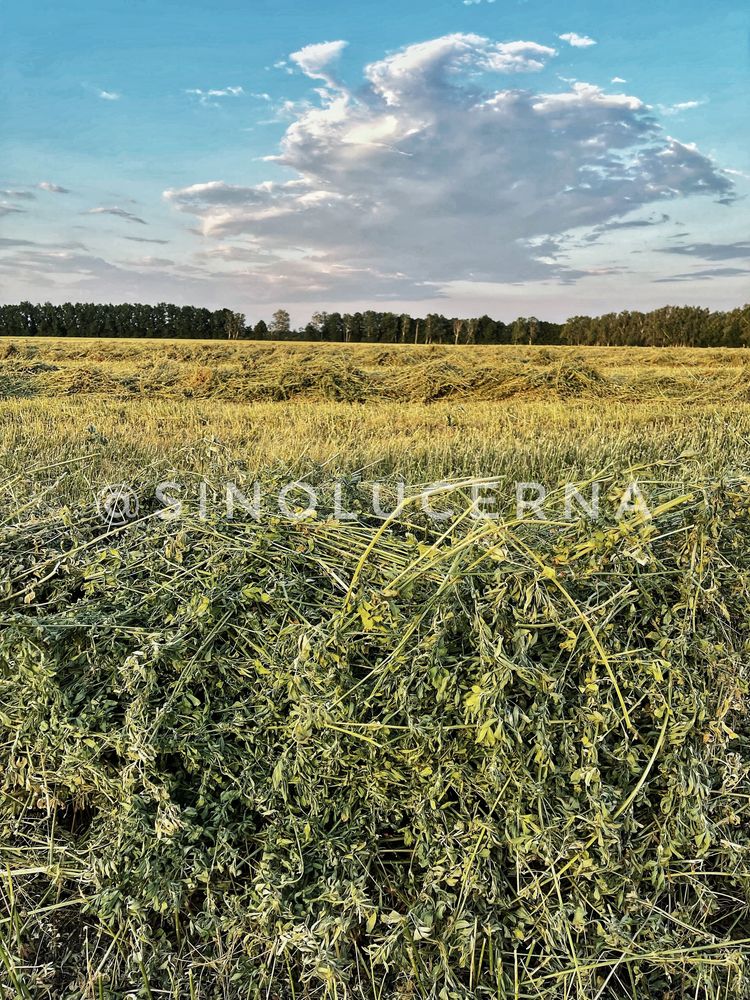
point(280, 324)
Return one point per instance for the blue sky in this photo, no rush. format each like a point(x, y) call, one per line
point(511, 157)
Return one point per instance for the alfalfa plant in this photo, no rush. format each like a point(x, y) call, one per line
point(297, 760)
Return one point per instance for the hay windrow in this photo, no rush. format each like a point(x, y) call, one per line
point(84, 379)
point(249, 372)
point(324, 759)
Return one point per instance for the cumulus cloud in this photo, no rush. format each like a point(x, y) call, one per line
point(314, 60)
point(430, 174)
point(52, 188)
point(577, 41)
point(618, 79)
point(115, 210)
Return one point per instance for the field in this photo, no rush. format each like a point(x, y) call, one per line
point(379, 759)
point(422, 413)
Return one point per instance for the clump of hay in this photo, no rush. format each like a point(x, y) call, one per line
point(319, 759)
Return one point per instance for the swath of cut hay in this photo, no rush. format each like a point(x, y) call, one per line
point(356, 373)
point(371, 760)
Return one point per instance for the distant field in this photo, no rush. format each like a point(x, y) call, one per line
point(252, 371)
point(424, 413)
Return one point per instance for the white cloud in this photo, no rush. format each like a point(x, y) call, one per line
point(212, 97)
point(430, 175)
point(109, 95)
point(618, 79)
point(676, 109)
point(313, 60)
point(428, 69)
point(577, 41)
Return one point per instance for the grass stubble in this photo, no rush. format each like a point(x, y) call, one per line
point(375, 759)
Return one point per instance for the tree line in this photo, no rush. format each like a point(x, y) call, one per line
point(670, 326)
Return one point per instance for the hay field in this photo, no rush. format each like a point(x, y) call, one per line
point(379, 760)
point(422, 413)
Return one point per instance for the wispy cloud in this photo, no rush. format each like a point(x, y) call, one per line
point(212, 97)
point(145, 239)
point(712, 251)
point(149, 262)
point(109, 95)
point(624, 224)
point(121, 213)
point(708, 273)
point(618, 79)
point(6, 209)
point(8, 243)
point(577, 41)
point(52, 188)
point(18, 195)
point(676, 109)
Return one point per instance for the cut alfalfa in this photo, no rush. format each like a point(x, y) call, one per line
point(565, 380)
point(432, 381)
point(80, 379)
point(320, 759)
point(320, 377)
point(158, 377)
point(575, 379)
point(19, 378)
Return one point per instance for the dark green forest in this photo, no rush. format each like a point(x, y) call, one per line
point(670, 326)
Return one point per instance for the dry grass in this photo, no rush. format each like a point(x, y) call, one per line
point(138, 407)
point(251, 372)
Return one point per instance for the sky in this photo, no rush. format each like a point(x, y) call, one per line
point(510, 157)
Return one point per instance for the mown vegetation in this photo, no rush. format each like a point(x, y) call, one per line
point(374, 760)
point(670, 326)
point(360, 373)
